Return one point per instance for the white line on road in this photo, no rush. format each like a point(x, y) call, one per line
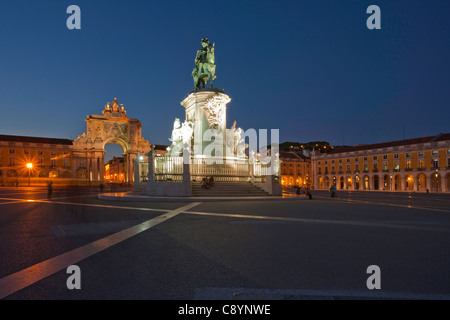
point(388, 204)
point(18, 200)
point(299, 294)
point(26, 277)
point(322, 221)
point(86, 204)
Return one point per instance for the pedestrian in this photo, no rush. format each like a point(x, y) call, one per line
point(203, 183)
point(308, 193)
point(49, 190)
point(333, 191)
point(211, 181)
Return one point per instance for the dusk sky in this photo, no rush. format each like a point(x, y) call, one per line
point(309, 68)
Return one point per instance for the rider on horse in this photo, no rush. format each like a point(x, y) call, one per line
point(205, 67)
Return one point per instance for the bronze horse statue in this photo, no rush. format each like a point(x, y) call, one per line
point(205, 67)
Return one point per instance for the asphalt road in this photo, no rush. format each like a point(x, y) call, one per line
point(286, 249)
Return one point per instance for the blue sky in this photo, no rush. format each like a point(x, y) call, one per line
point(309, 68)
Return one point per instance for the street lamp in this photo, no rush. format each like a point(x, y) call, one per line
point(437, 185)
point(29, 166)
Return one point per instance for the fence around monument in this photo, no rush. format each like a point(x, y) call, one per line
point(228, 170)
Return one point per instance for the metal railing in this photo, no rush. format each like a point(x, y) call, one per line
point(225, 170)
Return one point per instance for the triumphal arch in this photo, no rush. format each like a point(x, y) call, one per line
point(113, 126)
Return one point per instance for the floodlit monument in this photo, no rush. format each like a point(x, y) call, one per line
point(202, 146)
point(113, 126)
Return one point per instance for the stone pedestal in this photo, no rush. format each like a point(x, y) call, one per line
point(206, 108)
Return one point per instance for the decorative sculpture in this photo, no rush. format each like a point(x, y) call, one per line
point(181, 135)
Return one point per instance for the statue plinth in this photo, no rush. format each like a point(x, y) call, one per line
point(207, 109)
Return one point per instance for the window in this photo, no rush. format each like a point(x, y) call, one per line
point(348, 168)
point(12, 151)
point(53, 163)
point(434, 152)
point(40, 152)
point(66, 163)
point(26, 151)
point(408, 165)
point(385, 157)
point(396, 166)
point(421, 164)
point(356, 167)
point(356, 159)
point(408, 155)
point(366, 167)
point(340, 160)
point(332, 161)
point(420, 154)
point(448, 151)
point(448, 163)
point(365, 158)
point(375, 166)
point(332, 169)
point(319, 170)
point(348, 159)
point(395, 155)
point(12, 162)
point(435, 164)
point(385, 166)
point(375, 157)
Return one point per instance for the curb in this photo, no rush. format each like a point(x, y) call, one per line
point(122, 196)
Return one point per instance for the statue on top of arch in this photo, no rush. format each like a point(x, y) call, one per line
point(114, 109)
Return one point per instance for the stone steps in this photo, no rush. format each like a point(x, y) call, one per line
point(228, 190)
point(220, 189)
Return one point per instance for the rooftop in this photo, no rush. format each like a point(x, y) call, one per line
point(439, 137)
point(35, 140)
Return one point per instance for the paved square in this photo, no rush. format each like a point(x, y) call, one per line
point(284, 249)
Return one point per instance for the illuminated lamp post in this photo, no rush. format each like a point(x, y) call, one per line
point(29, 166)
point(437, 185)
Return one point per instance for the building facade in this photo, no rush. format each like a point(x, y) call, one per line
point(295, 170)
point(420, 164)
point(34, 160)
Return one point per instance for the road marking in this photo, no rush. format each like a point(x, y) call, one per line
point(302, 294)
point(318, 221)
point(388, 204)
point(18, 200)
point(10, 202)
point(26, 277)
point(86, 204)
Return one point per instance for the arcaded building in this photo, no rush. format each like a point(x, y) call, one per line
point(420, 164)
